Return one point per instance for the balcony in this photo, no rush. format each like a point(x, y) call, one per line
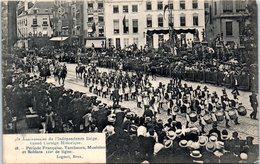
point(90, 11)
point(100, 11)
point(34, 25)
point(44, 24)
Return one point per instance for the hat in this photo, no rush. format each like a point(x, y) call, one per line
point(224, 135)
point(110, 130)
point(214, 134)
point(205, 87)
point(133, 128)
point(160, 121)
point(213, 138)
point(243, 156)
point(111, 118)
point(183, 143)
point(178, 132)
point(195, 154)
point(141, 131)
point(157, 148)
point(167, 143)
point(128, 115)
point(210, 146)
point(171, 135)
point(203, 140)
point(194, 145)
point(145, 161)
point(147, 119)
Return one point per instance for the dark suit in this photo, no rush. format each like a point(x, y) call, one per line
point(254, 104)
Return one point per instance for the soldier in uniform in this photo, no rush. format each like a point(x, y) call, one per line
point(254, 104)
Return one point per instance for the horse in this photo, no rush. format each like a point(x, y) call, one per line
point(79, 71)
point(62, 73)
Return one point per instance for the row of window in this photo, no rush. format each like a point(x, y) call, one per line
point(149, 23)
point(91, 5)
point(160, 6)
point(126, 26)
point(100, 19)
point(126, 42)
point(125, 8)
point(160, 20)
point(22, 22)
point(44, 21)
point(228, 6)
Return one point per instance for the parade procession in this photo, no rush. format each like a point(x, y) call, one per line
point(166, 81)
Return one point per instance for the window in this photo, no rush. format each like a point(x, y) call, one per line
point(101, 32)
point(195, 20)
point(135, 41)
point(227, 6)
point(134, 8)
point(240, 6)
point(44, 22)
point(160, 40)
point(90, 19)
point(148, 5)
point(100, 5)
point(115, 9)
point(34, 21)
point(116, 26)
point(206, 5)
point(194, 4)
point(126, 42)
point(135, 26)
point(110, 42)
point(90, 5)
point(125, 9)
point(149, 21)
point(160, 21)
point(160, 5)
point(182, 4)
point(126, 27)
point(44, 28)
point(182, 21)
point(170, 5)
point(100, 19)
point(229, 31)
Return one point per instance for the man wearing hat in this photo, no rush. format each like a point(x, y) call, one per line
point(254, 104)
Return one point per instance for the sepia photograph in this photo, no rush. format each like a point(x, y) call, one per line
point(163, 81)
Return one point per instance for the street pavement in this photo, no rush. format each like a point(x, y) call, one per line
point(247, 125)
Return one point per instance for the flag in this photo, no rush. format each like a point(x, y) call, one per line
point(165, 8)
point(93, 27)
point(50, 22)
point(124, 25)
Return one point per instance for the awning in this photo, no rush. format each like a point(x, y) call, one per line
point(59, 38)
point(97, 43)
point(44, 32)
point(166, 31)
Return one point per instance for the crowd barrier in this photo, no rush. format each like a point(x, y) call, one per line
point(210, 77)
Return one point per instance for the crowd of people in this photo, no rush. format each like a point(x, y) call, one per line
point(190, 134)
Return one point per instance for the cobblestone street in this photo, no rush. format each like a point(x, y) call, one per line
point(247, 126)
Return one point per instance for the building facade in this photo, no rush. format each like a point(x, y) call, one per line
point(130, 21)
point(68, 20)
point(94, 23)
point(34, 22)
point(226, 19)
